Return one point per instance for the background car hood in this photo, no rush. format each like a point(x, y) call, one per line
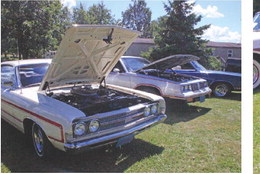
point(87, 54)
point(171, 61)
point(222, 73)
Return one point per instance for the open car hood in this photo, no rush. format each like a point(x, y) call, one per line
point(171, 61)
point(87, 54)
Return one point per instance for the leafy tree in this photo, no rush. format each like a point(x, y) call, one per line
point(80, 15)
point(177, 34)
point(138, 17)
point(99, 14)
point(31, 27)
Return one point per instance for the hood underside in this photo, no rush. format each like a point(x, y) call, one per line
point(87, 54)
point(171, 61)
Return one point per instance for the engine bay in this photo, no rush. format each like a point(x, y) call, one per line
point(170, 75)
point(97, 100)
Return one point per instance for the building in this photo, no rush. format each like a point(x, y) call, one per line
point(223, 50)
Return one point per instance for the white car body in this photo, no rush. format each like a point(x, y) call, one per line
point(163, 86)
point(85, 57)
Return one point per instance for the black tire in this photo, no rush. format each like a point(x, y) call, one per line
point(256, 74)
point(221, 89)
point(150, 90)
point(41, 144)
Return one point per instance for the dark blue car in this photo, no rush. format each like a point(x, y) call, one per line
point(221, 83)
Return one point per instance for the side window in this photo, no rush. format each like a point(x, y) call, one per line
point(8, 78)
point(119, 66)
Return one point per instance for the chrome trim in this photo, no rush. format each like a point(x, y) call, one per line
point(104, 139)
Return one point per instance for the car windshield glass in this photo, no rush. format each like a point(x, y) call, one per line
point(257, 22)
point(32, 74)
point(198, 66)
point(133, 64)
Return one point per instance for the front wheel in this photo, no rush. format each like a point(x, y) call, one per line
point(41, 144)
point(256, 74)
point(221, 89)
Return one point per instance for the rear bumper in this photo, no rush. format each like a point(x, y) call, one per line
point(112, 138)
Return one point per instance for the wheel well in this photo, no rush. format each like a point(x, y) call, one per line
point(257, 57)
point(149, 87)
point(27, 124)
point(231, 86)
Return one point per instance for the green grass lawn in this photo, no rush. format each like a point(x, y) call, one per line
point(200, 137)
point(257, 131)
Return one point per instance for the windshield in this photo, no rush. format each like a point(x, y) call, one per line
point(32, 74)
point(257, 21)
point(134, 64)
point(198, 66)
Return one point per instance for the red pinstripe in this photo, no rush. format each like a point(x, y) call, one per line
point(39, 117)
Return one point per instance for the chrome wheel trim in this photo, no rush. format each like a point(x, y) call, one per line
point(38, 141)
point(255, 74)
point(221, 90)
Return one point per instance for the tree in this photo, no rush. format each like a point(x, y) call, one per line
point(99, 14)
point(80, 15)
point(31, 27)
point(138, 17)
point(177, 34)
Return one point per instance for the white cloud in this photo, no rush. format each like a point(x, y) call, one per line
point(209, 12)
point(69, 3)
point(221, 34)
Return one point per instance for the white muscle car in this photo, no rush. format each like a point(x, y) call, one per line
point(159, 77)
point(65, 102)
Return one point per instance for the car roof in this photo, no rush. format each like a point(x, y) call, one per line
point(26, 62)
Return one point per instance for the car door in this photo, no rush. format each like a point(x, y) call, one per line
point(119, 76)
point(8, 83)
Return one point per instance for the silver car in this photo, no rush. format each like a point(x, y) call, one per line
point(159, 77)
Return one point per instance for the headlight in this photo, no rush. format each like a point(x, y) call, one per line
point(154, 109)
point(79, 129)
point(147, 111)
point(93, 126)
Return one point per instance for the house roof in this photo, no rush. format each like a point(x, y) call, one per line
point(224, 44)
point(210, 43)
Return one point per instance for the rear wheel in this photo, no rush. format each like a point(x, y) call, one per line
point(256, 74)
point(41, 144)
point(221, 89)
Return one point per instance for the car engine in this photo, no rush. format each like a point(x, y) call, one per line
point(97, 100)
point(170, 75)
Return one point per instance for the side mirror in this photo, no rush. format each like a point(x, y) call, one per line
point(116, 70)
point(8, 84)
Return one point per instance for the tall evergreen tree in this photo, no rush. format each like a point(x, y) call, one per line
point(99, 14)
point(80, 15)
point(177, 34)
point(138, 17)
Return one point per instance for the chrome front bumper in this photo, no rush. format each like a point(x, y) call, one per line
point(112, 138)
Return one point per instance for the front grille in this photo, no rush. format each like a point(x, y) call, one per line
point(194, 87)
point(120, 119)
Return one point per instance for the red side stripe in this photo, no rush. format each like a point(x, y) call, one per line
point(41, 118)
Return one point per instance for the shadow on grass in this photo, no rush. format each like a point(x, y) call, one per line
point(232, 96)
point(257, 90)
point(18, 156)
point(178, 111)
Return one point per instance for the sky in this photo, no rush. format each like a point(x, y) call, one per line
point(223, 15)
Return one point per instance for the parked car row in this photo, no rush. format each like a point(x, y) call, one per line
point(87, 97)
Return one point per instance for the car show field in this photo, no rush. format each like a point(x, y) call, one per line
point(198, 137)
